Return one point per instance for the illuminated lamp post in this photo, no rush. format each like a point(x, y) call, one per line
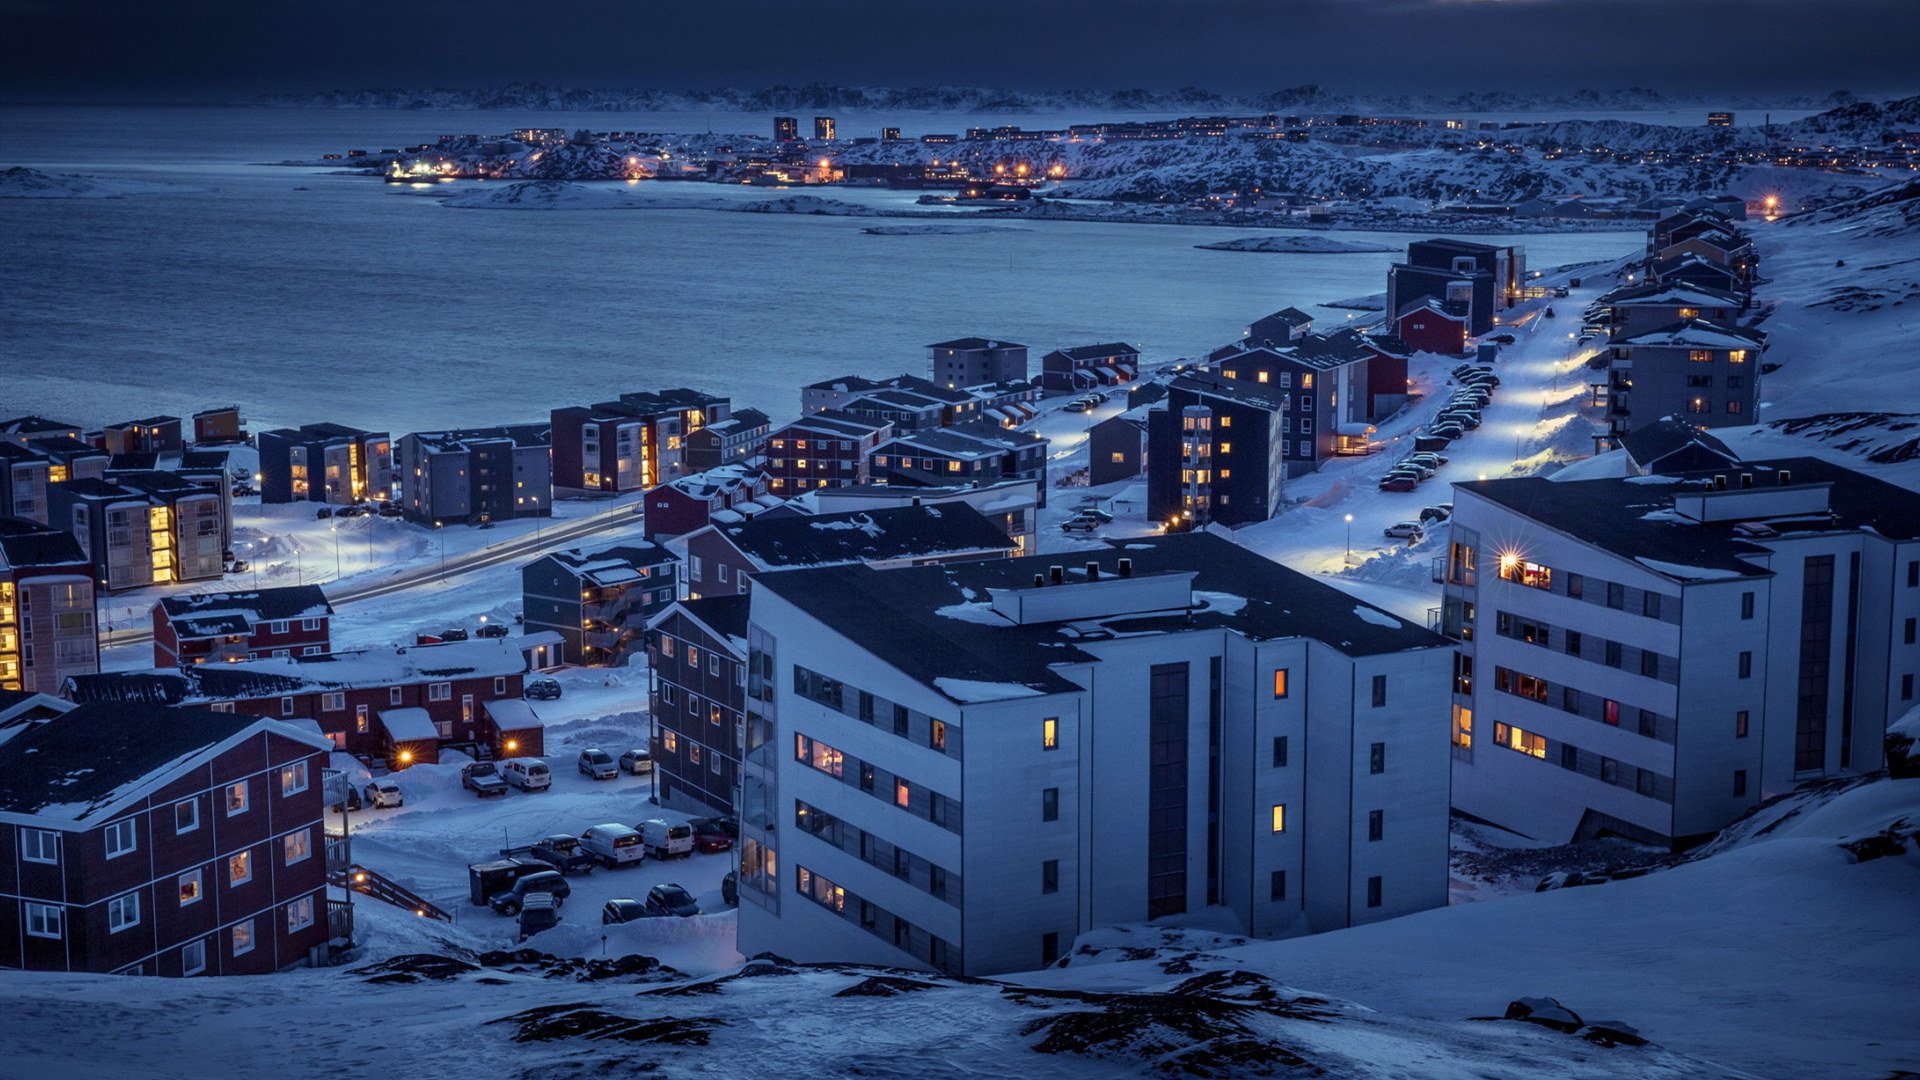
point(1349, 557)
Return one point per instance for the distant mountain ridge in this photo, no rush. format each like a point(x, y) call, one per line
point(1308, 98)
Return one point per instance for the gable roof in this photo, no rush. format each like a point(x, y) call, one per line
point(83, 768)
point(25, 543)
point(1668, 435)
point(285, 675)
point(861, 536)
point(615, 565)
point(1097, 352)
point(217, 614)
point(1699, 334)
point(1292, 316)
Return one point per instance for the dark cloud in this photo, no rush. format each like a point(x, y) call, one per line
point(220, 49)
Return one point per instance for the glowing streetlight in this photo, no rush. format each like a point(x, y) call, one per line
point(1349, 557)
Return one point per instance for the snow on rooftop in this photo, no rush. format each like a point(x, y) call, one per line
point(1223, 603)
point(1377, 617)
point(974, 690)
point(980, 613)
point(1683, 572)
point(409, 725)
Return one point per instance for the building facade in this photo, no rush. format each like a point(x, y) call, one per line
point(964, 768)
point(326, 463)
point(827, 449)
point(631, 444)
point(1707, 375)
point(48, 616)
point(696, 653)
point(476, 475)
point(145, 528)
point(976, 361)
point(598, 601)
point(224, 627)
point(722, 559)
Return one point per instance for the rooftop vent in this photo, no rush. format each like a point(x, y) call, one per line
point(1746, 479)
point(1039, 581)
point(1126, 567)
point(1720, 482)
point(1786, 477)
point(1093, 571)
point(1057, 574)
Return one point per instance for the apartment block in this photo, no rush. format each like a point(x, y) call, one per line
point(1706, 374)
point(48, 619)
point(630, 444)
point(1653, 656)
point(696, 654)
point(145, 528)
point(964, 767)
point(325, 463)
point(598, 601)
point(224, 627)
point(476, 474)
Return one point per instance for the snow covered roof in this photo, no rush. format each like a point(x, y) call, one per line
point(1109, 350)
point(409, 725)
point(1698, 334)
point(832, 422)
point(510, 714)
point(285, 675)
point(1672, 294)
point(200, 615)
point(939, 624)
point(859, 536)
point(85, 767)
point(615, 565)
point(969, 344)
point(26, 543)
point(719, 480)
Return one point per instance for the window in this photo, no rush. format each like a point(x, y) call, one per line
point(693, 753)
point(1279, 751)
point(393, 695)
point(122, 838)
point(1377, 759)
point(300, 914)
point(1700, 356)
point(243, 938)
point(937, 735)
point(1374, 889)
point(1280, 817)
point(500, 684)
point(900, 720)
point(1576, 585)
point(1379, 691)
point(1650, 664)
point(666, 693)
point(41, 845)
point(1912, 628)
point(1739, 782)
point(43, 921)
point(693, 657)
point(237, 798)
point(1463, 727)
point(189, 884)
point(286, 704)
point(1050, 804)
point(1610, 712)
point(1740, 724)
point(666, 646)
point(1050, 876)
point(333, 702)
point(440, 691)
point(1614, 656)
point(293, 779)
point(1569, 757)
point(902, 793)
point(1050, 733)
point(299, 847)
point(1376, 825)
point(1616, 596)
point(123, 912)
point(239, 869)
point(671, 740)
point(193, 957)
point(1569, 699)
point(1277, 885)
point(1746, 665)
point(1526, 742)
point(1522, 572)
point(1049, 947)
point(1279, 682)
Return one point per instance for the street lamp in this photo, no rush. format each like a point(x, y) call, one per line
point(1349, 557)
point(335, 530)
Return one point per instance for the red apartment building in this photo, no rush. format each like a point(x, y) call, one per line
point(630, 444)
point(822, 450)
point(370, 702)
point(142, 840)
point(725, 493)
point(235, 626)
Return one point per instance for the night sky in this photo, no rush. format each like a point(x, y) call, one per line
point(188, 50)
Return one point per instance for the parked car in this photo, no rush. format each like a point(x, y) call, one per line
point(527, 774)
point(1408, 530)
point(1398, 483)
point(1096, 514)
point(730, 889)
point(540, 881)
point(543, 689)
point(563, 853)
point(323, 513)
point(1077, 406)
point(489, 879)
point(491, 630)
point(1447, 430)
point(664, 839)
point(624, 910)
point(343, 796)
point(539, 911)
point(483, 779)
point(1501, 339)
point(615, 845)
point(347, 512)
point(384, 793)
point(1484, 378)
point(1079, 524)
point(1434, 514)
point(391, 511)
point(1428, 458)
point(598, 764)
point(671, 899)
point(636, 762)
point(453, 633)
point(709, 836)
point(1424, 470)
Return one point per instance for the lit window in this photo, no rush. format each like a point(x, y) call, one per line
point(293, 778)
point(237, 798)
point(1050, 734)
point(240, 869)
point(1279, 682)
point(189, 887)
point(1280, 817)
point(300, 914)
point(1261, 377)
point(243, 938)
point(902, 793)
point(299, 847)
point(1463, 727)
point(1738, 356)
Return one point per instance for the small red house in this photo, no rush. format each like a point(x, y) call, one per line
point(144, 840)
point(1386, 375)
point(691, 503)
point(226, 627)
point(1428, 326)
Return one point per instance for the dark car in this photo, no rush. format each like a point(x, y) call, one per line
point(491, 630)
point(711, 835)
point(483, 779)
point(453, 633)
point(539, 912)
point(541, 881)
point(543, 689)
point(347, 512)
point(563, 853)
point(1399, 483)
point(323, 513)
point(623, 911)
point(730, 889)
point(671, 899)
point(1501, 339)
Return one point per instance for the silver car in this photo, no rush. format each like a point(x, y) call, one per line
point(598, 764)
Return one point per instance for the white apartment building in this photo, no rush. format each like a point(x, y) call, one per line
point(963, 767)
point(1652, 656)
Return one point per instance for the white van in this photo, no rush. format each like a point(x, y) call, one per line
point(664, 840)
point(527, 773)
point(614, 845)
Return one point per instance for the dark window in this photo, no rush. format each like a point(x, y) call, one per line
point(1650, 605)
point(1913, 625)
point(937, 881)
point(1573, 643)
point(1279, 751)
point(900, 720)
point(1050, 804)
point(1576, 585)
point(1570, 699)
point(1643, 781)
point(866, 706)
point(1906, 688)
point(1377, 758)
point(1746, 605)
point(866, 777)
point(1616, 595)
point(1816, 648)
point(1739, 782)
point(1746, 665)
point(1166, 790)
point(1613, 654)
point(1740, 724)
point(1376, 824)
point(1379, 691)
point(1647, 723)
point(1049, 947)
point(1609, 770)
point(1913, 573)
point(1569, 757)
point(1277, 885)
point(1050, 876)
point(1650, 664)
point(1374, 890)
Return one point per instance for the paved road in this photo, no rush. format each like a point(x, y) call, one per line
point(517, 549)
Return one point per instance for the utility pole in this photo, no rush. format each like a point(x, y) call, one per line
point(1349, 558)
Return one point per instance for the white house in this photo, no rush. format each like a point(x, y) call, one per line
point(964, 767)
point(1652, 656)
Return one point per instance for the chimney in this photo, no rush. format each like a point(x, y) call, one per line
point(916, 500)
point(1786, 477)
point(1093, 571)
point(1720, 482)
point(1126, 567)
point(1746, 479)
point(1039, 580)
point(1057, 574)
